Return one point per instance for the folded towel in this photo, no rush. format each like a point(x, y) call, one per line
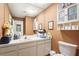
point(5, 40)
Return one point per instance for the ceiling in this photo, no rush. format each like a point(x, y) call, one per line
point(27, 9)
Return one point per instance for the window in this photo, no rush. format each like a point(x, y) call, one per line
point(61, 15)
point(72, 13)
point(18, 27)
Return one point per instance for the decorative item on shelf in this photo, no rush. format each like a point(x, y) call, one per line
point(40, 26)
point(62, 28)
point(69, 27)
point(68, 17)
point(72, 3)
point(63, 5)
point(65, 28)
point(50, 25)
point(75, 27)
point(68, 4)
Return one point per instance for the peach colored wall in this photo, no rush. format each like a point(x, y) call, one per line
point(50, 14)
point(1, 17)
point(4, 15)
point(28, 26)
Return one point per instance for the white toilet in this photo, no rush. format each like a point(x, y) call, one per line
point(66, 49)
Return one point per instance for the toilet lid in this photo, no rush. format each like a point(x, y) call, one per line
point(58, 55)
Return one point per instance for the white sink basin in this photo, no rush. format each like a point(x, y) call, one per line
point(28, 39)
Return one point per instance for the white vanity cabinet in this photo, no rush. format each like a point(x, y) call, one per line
point(37, 48)
point(47, 47)
point(43, 47)
point(9, 50)
point(30, 51)
point(12, 53)
point(40, 50)
point(27, 49)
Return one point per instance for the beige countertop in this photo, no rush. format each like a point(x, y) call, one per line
point(19, 41)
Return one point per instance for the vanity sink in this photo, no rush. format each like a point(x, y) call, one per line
point(28, 38)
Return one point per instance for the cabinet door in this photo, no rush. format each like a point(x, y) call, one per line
point(29, 51)
point(32, 51)
point(47, 48)
point(40, 50)
point(43, 47)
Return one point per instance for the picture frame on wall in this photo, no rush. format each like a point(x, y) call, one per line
point(51, 25)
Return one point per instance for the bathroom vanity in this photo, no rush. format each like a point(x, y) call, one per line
point(26, 47)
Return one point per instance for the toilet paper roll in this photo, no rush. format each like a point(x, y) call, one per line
point(52, 53)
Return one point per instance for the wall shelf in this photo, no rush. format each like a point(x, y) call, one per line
point(68, 17)
point(72, 21)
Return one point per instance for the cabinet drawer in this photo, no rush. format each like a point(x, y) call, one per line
point(40, 50)
point(41, 42)
point(47, 41)
point(28, 44)
point(12, 53)
point(7, 49)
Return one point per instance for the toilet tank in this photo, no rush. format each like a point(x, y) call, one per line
point(67, 49)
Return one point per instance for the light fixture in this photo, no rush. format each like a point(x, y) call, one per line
point(30, 11)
